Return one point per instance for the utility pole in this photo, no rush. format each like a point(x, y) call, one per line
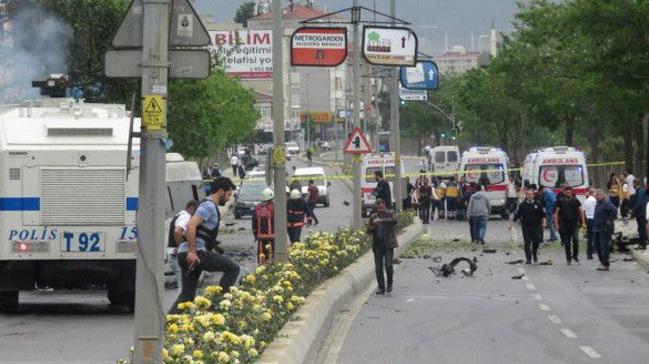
point(149, 312)
point(279, 149)
point(394, 123)
point(356, 164)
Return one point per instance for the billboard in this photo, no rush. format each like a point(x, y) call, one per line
point(318, 46)
point(317, 117)
point(424, 76)
point(389, 46)
point(247, 54)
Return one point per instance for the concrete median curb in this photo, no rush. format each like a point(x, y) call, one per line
point(301, 338)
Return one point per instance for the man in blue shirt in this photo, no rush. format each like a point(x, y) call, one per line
point(550, 198)
point(605, 215)
point(196, 254)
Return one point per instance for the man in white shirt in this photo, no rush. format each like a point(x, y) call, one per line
point(177, 233)
point(234, 162)
point(630, 179)
point(589, 211)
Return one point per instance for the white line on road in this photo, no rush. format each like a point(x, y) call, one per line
point(569, 333)
point(537, 296)
point(544, 307)
point(590, 352)
point(526, 278)
point(521, 270)
point(530, 286)
point(555, 319)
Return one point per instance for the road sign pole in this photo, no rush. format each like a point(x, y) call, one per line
point(149, 312)
point(394, 124)
point(356, 162)
point(279, 149)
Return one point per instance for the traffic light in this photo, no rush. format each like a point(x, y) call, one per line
point(403, 103)
point(443, 135)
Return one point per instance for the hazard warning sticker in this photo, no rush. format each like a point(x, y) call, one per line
point(153, 112)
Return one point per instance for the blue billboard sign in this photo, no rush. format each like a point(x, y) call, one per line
point(423, 76)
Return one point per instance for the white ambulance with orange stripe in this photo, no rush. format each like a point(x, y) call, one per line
point(555, 167)
point(488, 166)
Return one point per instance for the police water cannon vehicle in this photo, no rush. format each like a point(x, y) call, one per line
point(67, 208)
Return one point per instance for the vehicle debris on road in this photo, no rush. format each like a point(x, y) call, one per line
point(448, 269)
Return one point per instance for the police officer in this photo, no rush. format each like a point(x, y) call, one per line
point(532, 217)
point(263, 226)
point(296, 210)
point(194, 255)
point(568, 215)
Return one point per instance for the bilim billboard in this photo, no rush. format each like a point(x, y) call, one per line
point(247, 54)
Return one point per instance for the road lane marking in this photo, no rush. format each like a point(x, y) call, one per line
point(530, 286)
point(544, 307)
point(521, 270)
point(568, 333)
point(537, 296)
point(526, 278)
point(590, 352)
point(555, 319)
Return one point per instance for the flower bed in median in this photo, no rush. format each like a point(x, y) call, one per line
point(236, 327)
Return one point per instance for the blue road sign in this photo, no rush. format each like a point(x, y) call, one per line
point(423, 76)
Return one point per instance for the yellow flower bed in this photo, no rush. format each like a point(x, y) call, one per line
point(237, 326)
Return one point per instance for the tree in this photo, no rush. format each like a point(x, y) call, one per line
point(205, 116)
point(245, 12)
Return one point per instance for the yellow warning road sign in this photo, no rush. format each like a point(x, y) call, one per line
point(153, 112)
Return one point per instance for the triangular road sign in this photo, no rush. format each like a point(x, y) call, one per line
point(129, 33)
point(357, 143)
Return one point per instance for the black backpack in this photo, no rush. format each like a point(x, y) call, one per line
point(171, 243)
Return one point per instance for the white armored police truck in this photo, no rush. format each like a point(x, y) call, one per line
point(67, 208)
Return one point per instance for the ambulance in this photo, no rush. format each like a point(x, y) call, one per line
point(67, 208)
point(370, 164)
point(488, 166)
point(444, 160)
point(555, 167)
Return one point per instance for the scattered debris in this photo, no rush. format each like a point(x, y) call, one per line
point(396, 261)
point(613, 260)
point(547, 262)
point(455, 240)
point(346, 203)
point(242, 228)
point(517, 261)
point(229, 223)
point(627, 259)
point(518, 276)
point(489, 250)
point(437, 259)
point(448, 269)
point(475, 259)
point(426, 256)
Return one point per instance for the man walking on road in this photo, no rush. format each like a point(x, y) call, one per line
point(568, 215)
point(234, 163)
point(202, 231)
point(425, 193)
point(382, 190)
point(479, 210)
point(382, 226)
point(640, 201)
point(313, 194)
point(589, 210)
point(532, 216)
point(603, 226)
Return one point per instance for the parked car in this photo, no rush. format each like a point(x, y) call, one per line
point(248, 196)
point(292, 148)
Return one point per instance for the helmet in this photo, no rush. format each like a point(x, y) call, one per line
point(288, 190)
point(267, 194)
point(295, 194)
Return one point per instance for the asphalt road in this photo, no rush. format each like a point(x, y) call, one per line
point(555, 314)
point(65, 326)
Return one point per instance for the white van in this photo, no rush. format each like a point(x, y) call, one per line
point(372, 163)
point(319, 178)
point(555, 166)
point(488, 166)
point(444, 160)
point(67, 210)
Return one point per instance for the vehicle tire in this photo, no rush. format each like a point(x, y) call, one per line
point(8, 301)
point(504, 216)
point(326, 202)
point(122, 298)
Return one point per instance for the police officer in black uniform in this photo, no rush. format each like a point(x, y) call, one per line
point(532, 216)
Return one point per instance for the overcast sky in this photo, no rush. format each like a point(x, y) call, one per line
point(430, 18)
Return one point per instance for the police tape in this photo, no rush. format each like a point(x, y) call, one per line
point(388, 176)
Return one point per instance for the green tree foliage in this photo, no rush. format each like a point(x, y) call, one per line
point(245, 12)
point(205, 116)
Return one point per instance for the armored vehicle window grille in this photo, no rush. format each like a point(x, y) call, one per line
point(14, 174)
point(80, 132)
point(82, 196)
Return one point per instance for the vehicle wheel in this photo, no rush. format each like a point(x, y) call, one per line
point(504, 216)
point(8, 301)
point(326, 203)
point(122, 298)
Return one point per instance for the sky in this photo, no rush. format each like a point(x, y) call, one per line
point(431, 19)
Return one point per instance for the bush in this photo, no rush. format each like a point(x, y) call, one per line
point(236, 327)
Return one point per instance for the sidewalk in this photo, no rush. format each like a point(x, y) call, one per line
point(630, 228)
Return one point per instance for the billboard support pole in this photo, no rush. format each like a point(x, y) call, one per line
point(394, 125)
point(279, 149)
